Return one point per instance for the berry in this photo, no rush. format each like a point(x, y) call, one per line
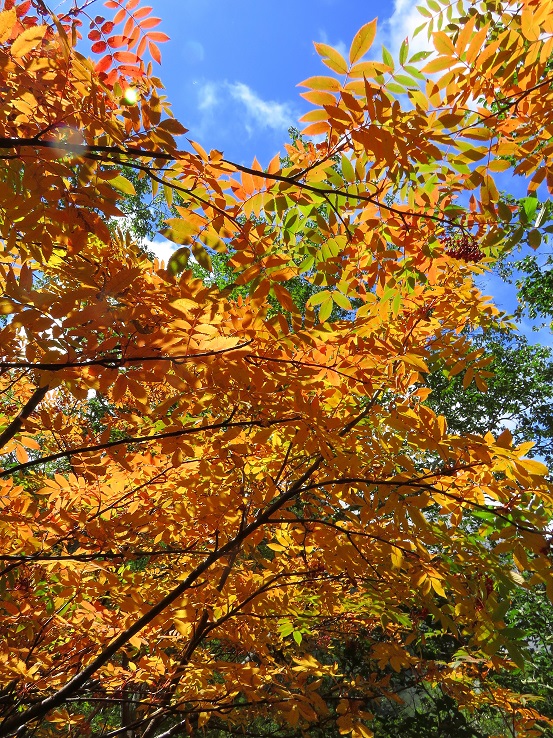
point(464, 247)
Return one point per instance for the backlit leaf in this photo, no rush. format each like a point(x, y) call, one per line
point(28, 40)
point(362, 42)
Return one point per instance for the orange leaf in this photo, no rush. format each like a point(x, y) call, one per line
point(332, 58)
point(8, 19)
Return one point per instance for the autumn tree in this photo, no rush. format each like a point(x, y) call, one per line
point(261, 484)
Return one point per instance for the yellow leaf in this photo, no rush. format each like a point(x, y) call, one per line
point(8, 19)
point(27, 41)
point(397, 557)
point(437, 587)
point(530, 29)
point(325, 310)
point(443, 43)
point(203, 718)
point(275, 547)
point(200, 150)
point(179, 231)
point(7, 306)
point(332, 58)
point(362, 41)
point(437, 65)
point(534, 467)
point(123, 185)
point(321, 83)
point(183, 305)
point(182, 627)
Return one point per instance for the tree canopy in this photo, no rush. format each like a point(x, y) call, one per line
point(225, 506)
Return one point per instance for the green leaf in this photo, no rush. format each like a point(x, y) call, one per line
point(541, 214)
point(201, 256)
point(424, 11)
point(504, 211)
point(403, 52)
point(319, 297)
point(387, 58)
point(534, 238)
point(341, 300)
point(285, 628)
point(403, 79)
point(326, 310)
point(530, 205)
point(348, 170)
point(178, 261)
point(296, 635)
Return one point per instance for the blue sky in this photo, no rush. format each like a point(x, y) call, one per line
point(232, 69)
point(231, 72)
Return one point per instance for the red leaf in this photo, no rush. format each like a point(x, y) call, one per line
point(111, 78)
point(108, 27)
point(105, 63)
point(132, 4)
point(154, 52)
point(116, 41)
point(134, 72)
point(118, 17)
point(95, 35)
point(111, 4)
point(126, 57)
point(99, 47)
point(99, 20)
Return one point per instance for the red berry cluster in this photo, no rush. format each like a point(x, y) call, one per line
point(463, 247)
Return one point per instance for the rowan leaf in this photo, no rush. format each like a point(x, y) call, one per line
point(362, 41)
point(178, 261)
point(321, 83)
point(8, 306)
point(332, 58)
point(123, 185)
point(27, 41)
point(8, 19)
point(179, 231)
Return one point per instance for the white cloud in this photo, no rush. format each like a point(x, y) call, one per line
point(265, 113)
point(240, 109)
point(207, 96)
point(401, 25)
point(162, 249)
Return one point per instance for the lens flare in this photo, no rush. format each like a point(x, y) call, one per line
point(131, 96)
point(68, 137)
